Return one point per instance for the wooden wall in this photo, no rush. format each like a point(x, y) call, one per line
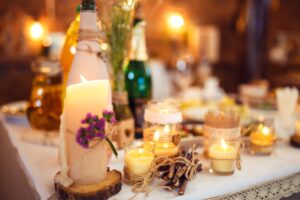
point(222, 13)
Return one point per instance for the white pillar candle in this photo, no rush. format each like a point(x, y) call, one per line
point(86, 166)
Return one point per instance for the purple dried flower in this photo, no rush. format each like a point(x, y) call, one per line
point(90, 136)
point(80, 137)
point(95, 128)
point(90, 128)
point(109, 116)
point(95, 118)
point(87, 119)
point(100, 135)
point(113, 120)
point(107, 112)
point(100, 125)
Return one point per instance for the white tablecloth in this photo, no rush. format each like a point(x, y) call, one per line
point(40, 163)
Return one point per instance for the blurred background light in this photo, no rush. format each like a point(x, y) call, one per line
point(36, 31)
point(175, 21)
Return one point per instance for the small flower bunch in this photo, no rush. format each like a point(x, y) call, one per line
point(95, 130)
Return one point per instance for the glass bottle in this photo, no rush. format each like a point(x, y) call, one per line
point(45, 104)
point(137, 74)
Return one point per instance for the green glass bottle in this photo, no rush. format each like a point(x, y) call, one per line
point(137, 75)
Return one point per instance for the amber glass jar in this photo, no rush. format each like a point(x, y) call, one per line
point(45, 104)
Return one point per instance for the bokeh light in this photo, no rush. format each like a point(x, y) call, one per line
point(175, 21)
point(36, 31)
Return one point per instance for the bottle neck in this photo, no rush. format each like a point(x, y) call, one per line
point(88, 31)
point(88, 20)
point(138, 49)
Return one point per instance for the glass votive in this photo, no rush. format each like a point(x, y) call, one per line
point(262, 140)
point(223, 156)
point(162, 119)
point(165, 142)
point(221, 124)
point(138, 160)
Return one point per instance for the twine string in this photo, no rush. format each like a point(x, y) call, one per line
point(142, 183)
point(92, 36)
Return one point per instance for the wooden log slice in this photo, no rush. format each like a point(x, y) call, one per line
point(100, 191)
point(295, 141)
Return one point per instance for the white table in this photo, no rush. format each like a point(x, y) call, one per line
point(40, 164)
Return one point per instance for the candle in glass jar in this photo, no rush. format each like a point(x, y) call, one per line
point(164, 147)
point(262, 140)
point(262, 137)
point(222, 157)
point(138, 161)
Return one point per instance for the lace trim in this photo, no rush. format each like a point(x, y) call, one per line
point(272, 190)
point(226, 133)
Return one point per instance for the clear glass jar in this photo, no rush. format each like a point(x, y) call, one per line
point(45, 103)
point(162, 120)
point(138, 160)
point(221, 124)
point(224, 156)
point(262, 140)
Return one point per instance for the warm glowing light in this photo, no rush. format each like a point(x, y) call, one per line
point(104, 46)
point(164, 111)
point(266, 131)
point(175, 21)
point(36, 31)
point(82, 78)
point(223, 144)
point(73, 49)
point(165, 145)
point(156, 136)
point(166, 129)
point(40, 91)
point(141, 151)
point(47, 42)
point(130, 2)
point(128, 5)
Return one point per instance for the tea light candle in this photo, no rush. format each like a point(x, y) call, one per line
point(164, 147)
point(138, 161)
point(262, 140)
point(222, 157)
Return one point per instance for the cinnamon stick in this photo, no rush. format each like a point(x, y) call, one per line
point(182, 188)
point(171, 172)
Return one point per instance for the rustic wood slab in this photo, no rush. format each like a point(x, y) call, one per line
point(100, 191)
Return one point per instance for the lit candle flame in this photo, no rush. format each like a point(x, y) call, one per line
point(83, 79)
point(141, 151)
point(223, 144)
point(265, 130)
point(156, 136)
point(166, 129)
